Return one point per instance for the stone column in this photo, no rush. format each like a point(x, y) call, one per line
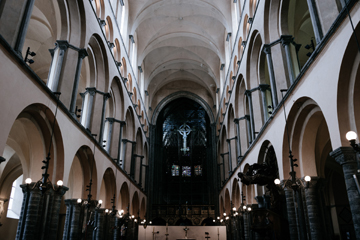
point(285, 41)
point(238, 140)
point(267, 50)
point(313, 209)
point(290, 206)
point(123, 151)
point(81, 56)
point(91, 93)
point(122, 123)
point(132, 162)
point(345, 156)
point(230, 160)
point(19, 44)
point(140, 174)
point(263, 88)
point(248, 125)
point(109, 135)
point(39, 217)
point(251, 112)
point(314, 15)
point(56, 65)
point(106, 96)
point(223, 164)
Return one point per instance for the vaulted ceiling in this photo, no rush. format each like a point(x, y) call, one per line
point(180, 40)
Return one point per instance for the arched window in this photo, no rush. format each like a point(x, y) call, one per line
point(16, 198)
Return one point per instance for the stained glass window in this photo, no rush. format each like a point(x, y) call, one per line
point(186, 171)
point(198, 170)
point(175, 170)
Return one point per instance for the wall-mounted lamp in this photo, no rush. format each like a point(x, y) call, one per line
point(32, 54)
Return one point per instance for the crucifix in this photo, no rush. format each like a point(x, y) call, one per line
point(184, 130)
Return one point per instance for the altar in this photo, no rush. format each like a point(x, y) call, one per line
point(152, 232)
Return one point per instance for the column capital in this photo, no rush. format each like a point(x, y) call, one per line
point(344, 155)
point(62, 44)
point(110, 120)
point(107, 96)
point(248, 93)
point(267, 49)
point(91, 91)
point(83, 53)
point(286, 39)
point(264, 87)
point(236, 121)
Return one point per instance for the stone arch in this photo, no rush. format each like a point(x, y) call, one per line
point(123, 69)
point(224, 149)
point(135, 204)
point(246, 27)
point(108, 188)
point(240, 48)
point(309, 138)
point(83, 168)
point(143, 209)
point(138, 151)
point(227, 202)
point(232, 134)
point(117, 51)
point(134, 96)
point(99, 7)
point(296, 21)
point(109, 31)
point(48, 23)
point(124, 199)
point(98, 63)
point(348, 96)
point(180, 94)
point(235, 194)
point(129, 134)
point(252, 7)
point(222, 206)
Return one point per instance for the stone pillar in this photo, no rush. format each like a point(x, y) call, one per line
point(313, 209)
point(263, 88)
point(238, 140)
point(290, 207)
point(223, 164)
point(81, 56)
point(56, 65)
point(109, 135)
point(345, 156)
point(140, 174)
point(123, 151)
point(247, 118)
point(39, 217)
point(251, 112)
point(314, 15)
point(106, 96)
point(122, 123)
point(267, 50)
point(285, 41)
point(19, 44)
point(90, 95)
point(230, 160)
point(132, 162)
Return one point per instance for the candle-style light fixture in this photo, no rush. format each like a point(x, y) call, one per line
point(351, 136)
